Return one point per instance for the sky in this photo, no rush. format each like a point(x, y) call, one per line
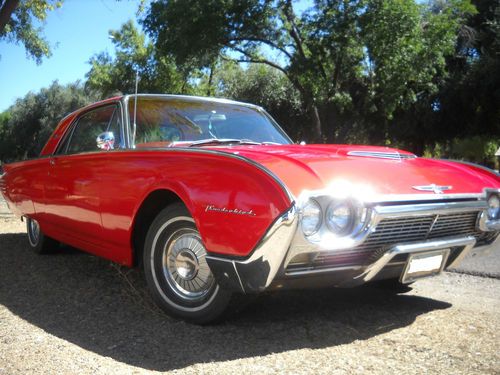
point(76, 31)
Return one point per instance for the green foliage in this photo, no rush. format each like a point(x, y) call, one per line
point(21, 25)
point(354, 63)
point(134, 53)
point(26, 125)
point(468, 99)
point(264, 86)
point(476, 149)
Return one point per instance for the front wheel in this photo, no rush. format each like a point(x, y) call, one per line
point(176, 270)
point(39, 242)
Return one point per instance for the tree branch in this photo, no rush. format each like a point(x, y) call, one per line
point(265, 41)
point(6, 11)
point(295, 34)
point(252, 59)
point(293, 31)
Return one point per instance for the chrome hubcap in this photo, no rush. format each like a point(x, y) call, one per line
point(34, 231)
point(184, 265)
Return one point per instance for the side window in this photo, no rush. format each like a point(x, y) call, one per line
point(89, 126)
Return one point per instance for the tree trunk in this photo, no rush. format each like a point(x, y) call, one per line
point(6, 12)
point(316, 123)
point(210, 79)
point(418, 147)
point(311, 107)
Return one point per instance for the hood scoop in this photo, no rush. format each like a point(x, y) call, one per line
point(392, 155)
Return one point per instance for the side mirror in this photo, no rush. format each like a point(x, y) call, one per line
point(105, 141)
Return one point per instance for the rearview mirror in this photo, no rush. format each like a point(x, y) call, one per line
point(105, 141)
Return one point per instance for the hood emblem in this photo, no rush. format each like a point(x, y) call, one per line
point(433, 187)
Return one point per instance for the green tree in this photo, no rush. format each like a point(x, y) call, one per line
point(18, 19)
point(134, 53)
point(468, 100)
point(264, 86)
point(26, 126)
point(463, 98)
point(351, 61)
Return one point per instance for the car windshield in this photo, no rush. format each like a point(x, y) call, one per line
point(182, 121)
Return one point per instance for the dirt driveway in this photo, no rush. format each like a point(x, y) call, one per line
point(73, 313)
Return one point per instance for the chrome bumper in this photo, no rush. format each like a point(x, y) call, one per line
point(466, 244)
point(266, 267)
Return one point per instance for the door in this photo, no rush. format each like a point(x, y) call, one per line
point(72, 192)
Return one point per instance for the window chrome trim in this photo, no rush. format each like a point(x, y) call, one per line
point(70, 129)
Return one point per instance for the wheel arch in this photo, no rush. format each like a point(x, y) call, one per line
point(150, 207)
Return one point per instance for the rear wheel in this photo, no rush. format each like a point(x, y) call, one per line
point(176, 270)
point(39, 242)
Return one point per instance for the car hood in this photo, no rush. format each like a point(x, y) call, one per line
point(383, 170)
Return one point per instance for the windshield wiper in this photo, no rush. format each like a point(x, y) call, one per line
point(223, 141)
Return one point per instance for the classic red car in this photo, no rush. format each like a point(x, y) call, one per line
point(213, 199)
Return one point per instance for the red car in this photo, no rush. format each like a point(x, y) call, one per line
point(212, 198)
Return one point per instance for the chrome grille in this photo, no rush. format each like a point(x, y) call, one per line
point(455, 224)
point(420, 228)
point(402, 230)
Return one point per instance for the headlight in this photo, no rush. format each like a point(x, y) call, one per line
point(311, 217)
point(340, 217)
point(493, 207)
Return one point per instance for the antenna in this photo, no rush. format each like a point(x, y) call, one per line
point(135, 107)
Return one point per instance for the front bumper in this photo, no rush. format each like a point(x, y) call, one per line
point(267, 267)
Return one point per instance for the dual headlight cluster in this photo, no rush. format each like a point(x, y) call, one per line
point(341, 217)
point(493, 207)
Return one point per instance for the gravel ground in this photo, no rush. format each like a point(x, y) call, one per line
point(488, 266)
point(72, 313)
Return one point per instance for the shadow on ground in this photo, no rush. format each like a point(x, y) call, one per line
point(105, 309)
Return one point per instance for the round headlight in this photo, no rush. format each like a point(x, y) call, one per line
point(493, 207)
point(340, 217)
point(311, 217)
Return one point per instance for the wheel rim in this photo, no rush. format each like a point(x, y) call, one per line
point(33, 232)
point(185, 267)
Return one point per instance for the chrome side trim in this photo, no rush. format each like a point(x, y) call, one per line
point(373, 269)
point(257, 272)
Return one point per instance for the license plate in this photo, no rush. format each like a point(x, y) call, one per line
point(424, 265)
